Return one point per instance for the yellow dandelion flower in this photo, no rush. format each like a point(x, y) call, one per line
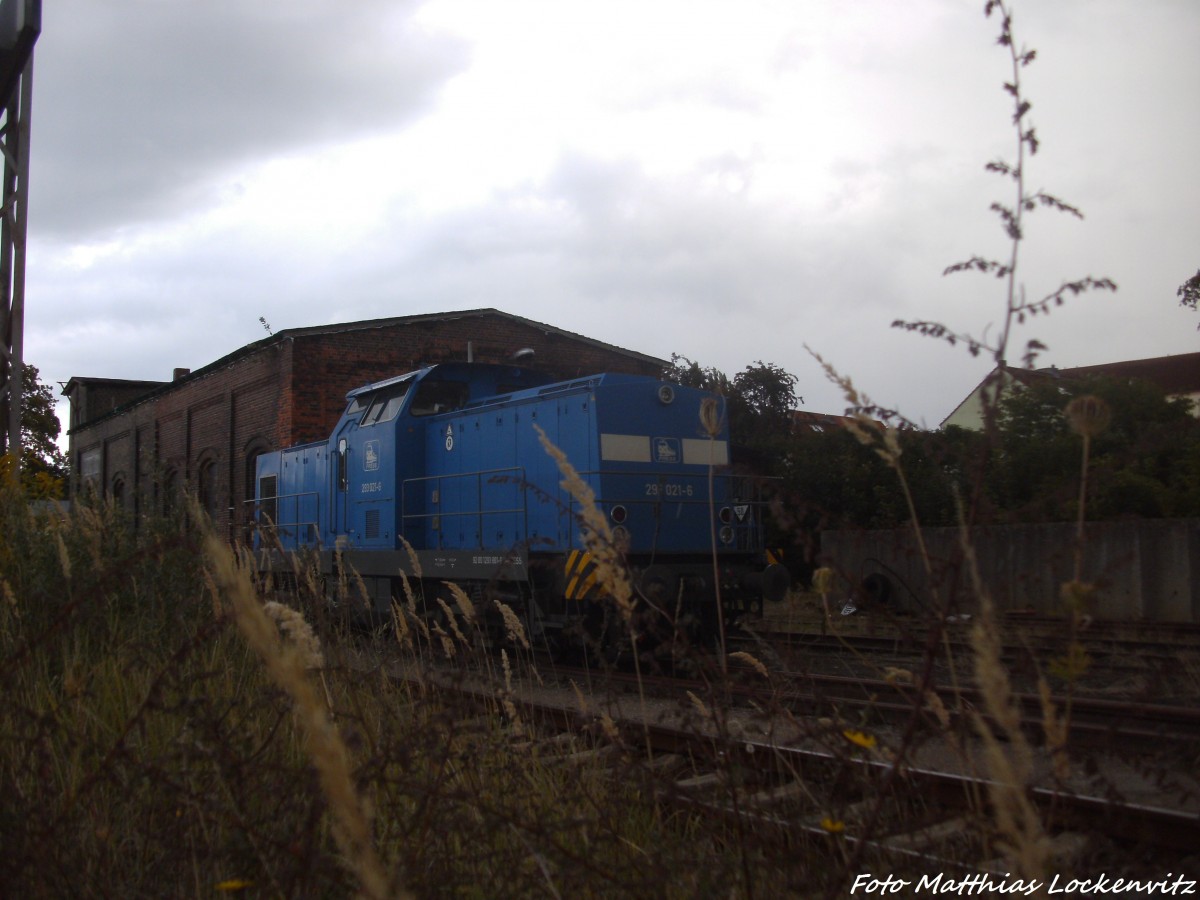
point(866, 741)
point(833, 826)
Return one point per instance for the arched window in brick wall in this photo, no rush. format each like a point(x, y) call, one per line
point(169, 492)
point(255, 448)
point(207, 489)
point(116, 490)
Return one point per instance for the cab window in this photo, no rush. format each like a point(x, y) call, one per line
point(384, 405)
point(435, 397)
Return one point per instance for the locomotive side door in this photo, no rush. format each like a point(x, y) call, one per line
point(338, 504)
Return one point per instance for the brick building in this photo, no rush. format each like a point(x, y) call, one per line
point(143, 442)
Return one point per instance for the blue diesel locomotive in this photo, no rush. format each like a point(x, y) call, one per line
point(438, 476)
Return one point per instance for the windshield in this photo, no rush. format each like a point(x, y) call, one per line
point(384, 405)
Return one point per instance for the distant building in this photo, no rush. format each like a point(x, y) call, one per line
point(1177, 376)
point(803, 420)
point(143, 442)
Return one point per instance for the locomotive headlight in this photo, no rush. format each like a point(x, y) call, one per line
point(666, 394)
point(726, 515)
point(726, 534)
point(619, 514)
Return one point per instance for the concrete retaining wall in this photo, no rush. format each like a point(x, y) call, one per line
point(1142, 569)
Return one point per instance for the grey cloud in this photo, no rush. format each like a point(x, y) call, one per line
point(140, 107)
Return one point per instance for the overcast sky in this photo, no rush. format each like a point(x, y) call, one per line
point(725, 180)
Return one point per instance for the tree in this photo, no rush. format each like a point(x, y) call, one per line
point(1143, 464)
point(43, 465)
point(769, 394)
point(758, 403)
point(1189, 292)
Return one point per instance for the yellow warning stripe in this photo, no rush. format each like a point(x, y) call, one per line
point(588, 583)
point(580, 571)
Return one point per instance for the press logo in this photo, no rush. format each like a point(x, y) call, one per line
point(666, 450)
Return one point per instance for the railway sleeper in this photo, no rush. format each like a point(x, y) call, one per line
point(777, 795)
point(564, 739)
point(925, 837)
point(1067, 850)
point(701, 782)
point(580, 756)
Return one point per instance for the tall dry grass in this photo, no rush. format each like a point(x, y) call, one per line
point(170, 730)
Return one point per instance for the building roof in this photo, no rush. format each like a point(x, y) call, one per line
point(109, 382)
point(156, 389)
point(803, 420)
point(1174, 374)
point(1177, 375)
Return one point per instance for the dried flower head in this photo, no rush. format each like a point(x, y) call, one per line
point(400, 626)
point(1088, 415)
point(64, 558)
point(1056, 729)
point(413, 560)
point(611, 732)
point(512, 625)
point(752, 661)
point(823, 580)
point(506, 697)
point(710, 416)
point(447, 644)
point(594, 529)
point(579, 695)
point(934, 704)
point(1076, 595)
point(299, 634)
point(464, 604)
point(11, 598)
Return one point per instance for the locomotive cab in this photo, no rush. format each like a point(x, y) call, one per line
point(379, 444)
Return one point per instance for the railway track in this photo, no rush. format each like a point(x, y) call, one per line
point(793, 775)
point(1107, 654)
point(1096, 722)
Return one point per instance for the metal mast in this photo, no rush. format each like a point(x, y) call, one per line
point(20, 25)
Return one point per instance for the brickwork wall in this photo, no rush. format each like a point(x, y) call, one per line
point(293, 391)
point(212, 418)
point(328, 366)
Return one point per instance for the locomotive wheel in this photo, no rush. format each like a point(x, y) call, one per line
point(604, 636)
point(663, 645)
point(341, 610)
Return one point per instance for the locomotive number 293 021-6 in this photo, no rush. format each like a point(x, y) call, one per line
point(669, 489)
